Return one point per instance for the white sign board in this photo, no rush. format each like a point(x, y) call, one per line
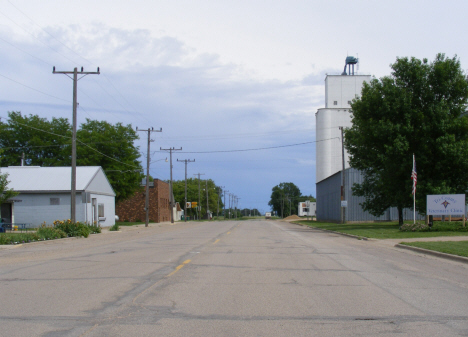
point(445, 204)
point(188, 204)
point(344, 203)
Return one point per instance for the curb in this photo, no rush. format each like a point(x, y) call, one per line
point(434, 253)
point(398, 245)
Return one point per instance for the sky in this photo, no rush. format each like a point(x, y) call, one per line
point(236, 84)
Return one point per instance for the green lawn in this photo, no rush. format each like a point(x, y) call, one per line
point(387, 230)
point(450, 247)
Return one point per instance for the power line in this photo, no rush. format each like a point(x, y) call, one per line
point(26, 86)
point(262, 148)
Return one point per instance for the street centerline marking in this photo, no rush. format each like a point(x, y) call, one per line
point(179, 267)
point(216, 241)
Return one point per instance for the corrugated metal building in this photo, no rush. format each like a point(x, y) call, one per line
point(44, 195)
point(329, 201)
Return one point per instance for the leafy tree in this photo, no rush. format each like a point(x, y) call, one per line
point(418, 109)
point(284, 199)
point(178, 187)
point(115, 153)
point(48, 143)
point(306, 197)
point(5, 192)
point(43, 142)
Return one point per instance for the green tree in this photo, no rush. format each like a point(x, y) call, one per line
point(43, 142)
point(284, 199)
point(5, 192)
point(48, 143)
point(111, 147)
point(178, 187)
point(418, 109)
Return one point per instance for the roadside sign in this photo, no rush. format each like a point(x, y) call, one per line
point(445, 204)
point(344, 203)
point(188, 204)
point(194, 204)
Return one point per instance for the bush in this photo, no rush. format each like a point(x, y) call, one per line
point(11, 238)
point(50, 233)
point(94, 229)
point(417, 227)
point(73, 228)
point(115, 227)
point(438, 226)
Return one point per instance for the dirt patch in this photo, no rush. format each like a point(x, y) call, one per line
point(292, 217)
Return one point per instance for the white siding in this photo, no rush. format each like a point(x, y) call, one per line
point(99, 183)
point(340, 89)
point(36, 209)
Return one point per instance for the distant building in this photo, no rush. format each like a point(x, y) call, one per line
point(306, 208)
point(340, 90)
point(133, 208)
point(329, 201)
point(178, 212)
point(45, 195)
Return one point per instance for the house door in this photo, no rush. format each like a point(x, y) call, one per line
point(6, 213)
point(95, 211)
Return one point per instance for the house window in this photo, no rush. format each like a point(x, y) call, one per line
point(100, 210)
point(55, 201)
point(335, 102)
point(349, 102)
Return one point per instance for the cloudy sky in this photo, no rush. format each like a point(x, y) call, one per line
point(216, 76)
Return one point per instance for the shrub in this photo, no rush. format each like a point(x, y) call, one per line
point(94, 229)
point(439, 226)
point(51, 233)
point(11, 238)
point(417, 227)
point(115, 227)
point(73, 228)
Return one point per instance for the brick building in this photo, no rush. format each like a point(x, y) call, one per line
point(133, 209)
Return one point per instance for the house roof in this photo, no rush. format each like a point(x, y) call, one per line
point(36, 178)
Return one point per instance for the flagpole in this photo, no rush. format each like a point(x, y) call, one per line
point(414, 199)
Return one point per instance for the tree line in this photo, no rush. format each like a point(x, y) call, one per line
point(195, 188)
point(48, 143)
point(285, 198)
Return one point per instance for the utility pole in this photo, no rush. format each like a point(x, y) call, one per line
point(147, 171)
point(225, 203)
point(199, 205)
point(207, 212)
point(73, 161)
point(171, 192)
point(343, 210)
point(219, 192)
point(186, 161)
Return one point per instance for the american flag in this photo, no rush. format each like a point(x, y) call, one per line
point(414, 175)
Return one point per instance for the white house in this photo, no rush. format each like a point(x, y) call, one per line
point(306, 208)
point(44, 195)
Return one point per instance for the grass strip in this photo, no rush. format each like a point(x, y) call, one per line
point(459, 248)
point(388, 230)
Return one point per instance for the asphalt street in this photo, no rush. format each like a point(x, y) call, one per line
point(231, 278)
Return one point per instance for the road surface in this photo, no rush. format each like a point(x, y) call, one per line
point(231, 278)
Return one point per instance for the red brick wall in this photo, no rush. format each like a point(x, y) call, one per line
point(133, 208)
